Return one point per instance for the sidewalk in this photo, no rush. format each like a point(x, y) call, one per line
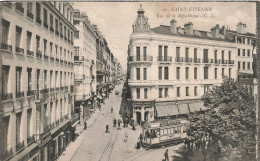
point(73, 146)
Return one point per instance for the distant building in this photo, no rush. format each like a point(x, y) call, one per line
point(171, 67)
point(84, 65)
point(37, 97)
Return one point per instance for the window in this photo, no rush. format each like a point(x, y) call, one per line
point(51, 44)
point(56, 26)
point(186, 53)
point(178, 73)
point(166, 92)
point(165, 53)
point(229, 72)
point(244, 52)
point(76, 35)
point(244, 65)
point(38, 43)
point(145, 73)
point(138, 93)
point(238, 52)
point(61, 53)
point(187, 91)
point(138, 56)
point(51, 23)
point(29, 9)
point(61, 30)
point(56, 79)
point(195, 73)
point(51, 76)
point(248, 52)
point(145, 92)
point(29, 39)
point(195, 91)
point(248, 41)
point(239, 65)
point(223, 72)
point(5, 128)
point(160, 92)
point(160, 52)
point(223, 56)
point(61, 79)
point(177, 52)
point(18, 79)
point(187, 73)
point(216, 73)
point(166, 73)
point(145, 53)
point(18, 36)
point(45, 18)
point(38, 79)
point(38, 13)
point(178, 92)
point(215, 55)
point(5, 31)
point(5, 78)
point(29, 77)
point(45, 79)
point(137, 73)
point(29, 116)
point(18, 127)
point(44, 47)
point(51, 113)
point(195, 54)
point(248, 65)
point(160, 73)
point(76, 51)
point(206, 69)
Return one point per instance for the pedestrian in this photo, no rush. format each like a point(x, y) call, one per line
point(185, 142)
point(114, 122)
point(124, 123)
point(141, 137)
point(85, 124)
point(166, 156)
point(111, 109)
point(133, 127)
point(138, 145)
point(107, 129)
point(126, 136)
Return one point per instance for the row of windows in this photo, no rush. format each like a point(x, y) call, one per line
point(41, 78)
point(244, 52)
point(245, 41)
point(66, 54)
point(163, 92)
point(178, 69)
point(244, 64)
point(163, 53)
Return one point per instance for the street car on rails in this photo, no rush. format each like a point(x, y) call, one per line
point(164, 133)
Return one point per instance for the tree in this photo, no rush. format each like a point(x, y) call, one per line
point(229, 121)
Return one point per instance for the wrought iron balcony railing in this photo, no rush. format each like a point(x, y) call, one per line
point(19, 146)
point(19, 50)
point(7, 155)
point(38, 54)
point(7, 96)
point(30, 14)
point(6, 47)
point(30, 140)
point(38, 20)
point(164, 59)
point(30, 53)
point(19, 94)
point(19, 7)
point(51, 29)
point(79, 58)
point(30, 93)
point(207, 61)
point(141, 58)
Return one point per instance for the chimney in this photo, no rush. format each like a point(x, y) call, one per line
point(188, 28)
point(240, 27)
point(244, 29)
point(76, 13)
point(173, 25)
point(215, 30)
point(84, 15)
point(223, 30)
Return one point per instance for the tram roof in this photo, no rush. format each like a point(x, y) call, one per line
point(165, 122)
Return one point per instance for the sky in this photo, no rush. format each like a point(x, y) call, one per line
point(115, 19)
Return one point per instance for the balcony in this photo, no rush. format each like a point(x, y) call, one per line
point(37, 94)
point(30, 53)
point(164, 59)
point(57, 89)
point(30, 93)
point(30, 14)
point(57, 122)
point(52, 125)
point(46, 131)
point(217, 61)
point(45, 25)
point(19, 146)
point(140, 58)
point(57, 32)
point(224, 61)
point(19, 94)
point(19, 50)
point(7, 96)
point(57, 60)
point(196, 60)
point(66, 62)
point(79, 77)
point(19, 7)
point(52, 58)
point(66, 88)
point(65, 38)
point(61, 61)
point(46, 90)
point(52, 89)
point(7, 155)
point(52, 29)
point(93, 77)
point(231, 62)
point(46, 57)
point(61, 35)
point(71, 88)
point(61, 88)
point(207, 61)
point(6, 47)
point(38, 54)
point(38, 20)
point(30, 140)
point(78, 58)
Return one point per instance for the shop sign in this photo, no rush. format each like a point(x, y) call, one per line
point(170, 122)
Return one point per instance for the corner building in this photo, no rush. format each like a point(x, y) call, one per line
point(38, 117)
point(170, 68)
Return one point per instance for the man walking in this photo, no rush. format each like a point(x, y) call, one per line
point(107, 129)
point(166, 156)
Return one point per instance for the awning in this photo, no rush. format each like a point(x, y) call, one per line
point(183, 109)
point(166, 110)
point(27, 152)
point(198, 106)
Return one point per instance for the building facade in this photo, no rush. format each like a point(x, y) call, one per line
point(84, 65)
point(37, 79)
point(170, 68)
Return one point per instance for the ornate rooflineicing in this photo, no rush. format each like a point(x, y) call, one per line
point(141, 23)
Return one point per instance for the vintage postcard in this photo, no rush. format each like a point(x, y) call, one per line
point(129, 81)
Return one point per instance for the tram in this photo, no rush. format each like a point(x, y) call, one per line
point(164, 133)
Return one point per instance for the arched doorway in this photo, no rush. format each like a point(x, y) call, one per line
point(138, 117)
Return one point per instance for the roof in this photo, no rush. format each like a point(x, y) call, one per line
point(165, 30)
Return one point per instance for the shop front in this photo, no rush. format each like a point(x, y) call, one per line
point(143, 111)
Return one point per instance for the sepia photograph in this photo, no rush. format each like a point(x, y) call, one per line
point(129, 81)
